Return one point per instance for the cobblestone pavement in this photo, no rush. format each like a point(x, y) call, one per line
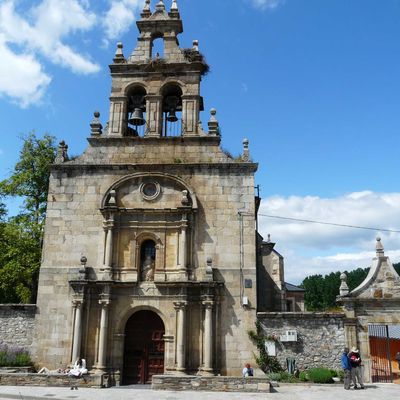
point(290, 392)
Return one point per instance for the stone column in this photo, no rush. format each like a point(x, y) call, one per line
point(102, 352)
point(208, 337)
point(77, 338)
point(181, 336)
point(108, 251)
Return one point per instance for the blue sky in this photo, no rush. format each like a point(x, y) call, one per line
point(314, 85)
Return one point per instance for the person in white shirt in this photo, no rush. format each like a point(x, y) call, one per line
point(247, 371)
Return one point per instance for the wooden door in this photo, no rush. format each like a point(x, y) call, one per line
point(144, 348)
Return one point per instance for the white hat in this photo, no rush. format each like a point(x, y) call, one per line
point(354, 350)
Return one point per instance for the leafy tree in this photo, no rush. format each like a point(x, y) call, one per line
point(320, 292)
point(397, 267)
point(314, 289)
point(21, 236)
point(30, 178)
point(355, 277)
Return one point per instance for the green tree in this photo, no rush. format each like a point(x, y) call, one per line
point(355, 277)
point(30, 177)
point(21, 235)
point(314, 292)
point(397, 267)
point(331, 289)
point(321, 291)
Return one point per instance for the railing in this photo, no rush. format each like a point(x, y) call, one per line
point(169, 129)
point(172, 129)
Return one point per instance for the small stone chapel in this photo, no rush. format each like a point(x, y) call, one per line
point(149, 257)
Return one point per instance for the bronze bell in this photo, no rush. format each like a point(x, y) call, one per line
point(136, 118)
point(172, 116)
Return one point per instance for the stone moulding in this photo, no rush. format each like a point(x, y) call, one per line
point(239, 167)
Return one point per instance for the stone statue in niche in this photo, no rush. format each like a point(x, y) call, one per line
point(147, 270)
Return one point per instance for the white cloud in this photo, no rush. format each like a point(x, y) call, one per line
point(40, 31)
point(119, 17)
point(21, 77)
point(53, 20)
point(266, 4)
point(313, 248)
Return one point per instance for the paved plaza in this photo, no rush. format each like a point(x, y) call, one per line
point(290, 392)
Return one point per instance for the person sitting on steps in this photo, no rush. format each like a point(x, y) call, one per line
point(79, 369)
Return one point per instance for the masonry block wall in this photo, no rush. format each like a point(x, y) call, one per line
point(320, 338)
point(17, 324)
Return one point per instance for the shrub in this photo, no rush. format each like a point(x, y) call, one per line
point(282, 377)
point(334, 373)
point(303, 376)
point(14, 357)
point(341, 374)
point(320, 375)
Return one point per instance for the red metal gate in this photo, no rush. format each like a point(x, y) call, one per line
point(380, 349)
point(144, 348)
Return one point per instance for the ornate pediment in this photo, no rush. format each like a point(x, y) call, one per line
point(149, 192)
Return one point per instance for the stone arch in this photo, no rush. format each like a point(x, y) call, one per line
point(159, 247)
point(144, 347)
point(129, 311)
point(132, 85)
point(110, 193)
point(173, 81)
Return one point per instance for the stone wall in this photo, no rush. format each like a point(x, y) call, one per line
point(210, 383)
point(53, 380)
point(17, 322)
point(320, 337)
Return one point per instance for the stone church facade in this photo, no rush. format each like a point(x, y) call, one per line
point(151, 260)
point(149, 257)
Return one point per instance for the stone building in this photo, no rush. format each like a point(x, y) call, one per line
point(373, 318)
point(149, 257)
point(151, 260)
point(274, 294)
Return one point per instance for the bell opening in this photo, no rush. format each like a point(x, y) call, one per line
point(136, 110)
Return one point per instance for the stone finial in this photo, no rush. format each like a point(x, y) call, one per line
point(62, 153)
point(380, 251)
point(119, 55)
point(174, 6)
point(213, 125)
point(344, 288)
point(246, 153)
point(112, 199)
point(160, 6)
point(185, 198)
point(195, 45)
point(209, 270)
point(146, 10)
point(174, 12)
point(95, 125)
point(83, 271)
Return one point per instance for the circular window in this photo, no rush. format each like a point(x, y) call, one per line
point(150, 190)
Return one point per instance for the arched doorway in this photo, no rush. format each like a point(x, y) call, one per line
point(144, 348)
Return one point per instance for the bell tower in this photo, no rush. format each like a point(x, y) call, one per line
point(157, 95)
